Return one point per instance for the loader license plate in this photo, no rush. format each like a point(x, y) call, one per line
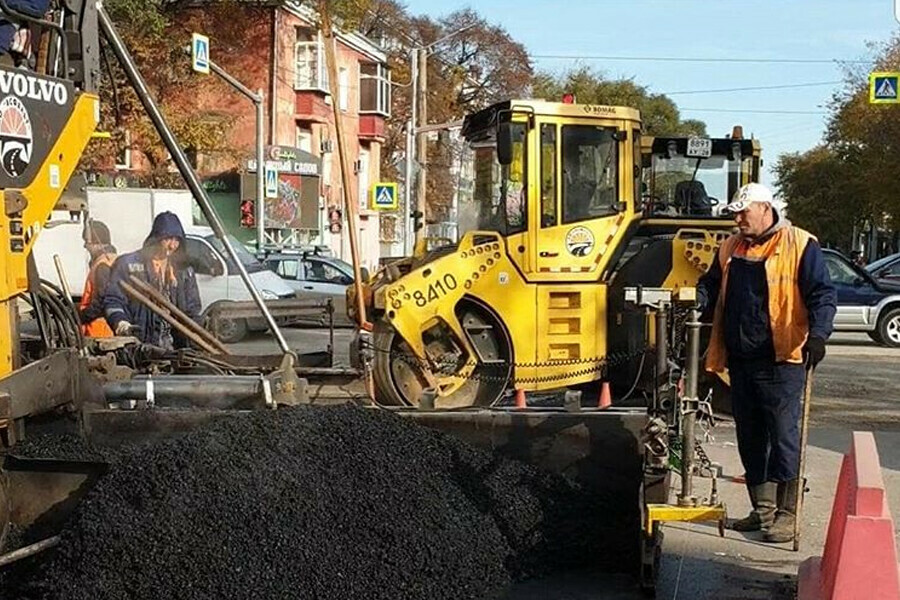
point(699, 147)
point(436, 290)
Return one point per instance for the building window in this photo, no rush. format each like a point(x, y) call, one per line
point(304, 138)
point(362, 174)
point(123, 158)
point(374, 89)
point(309, 55)
point(343, 89)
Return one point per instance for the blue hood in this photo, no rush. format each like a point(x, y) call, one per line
point(165, 225)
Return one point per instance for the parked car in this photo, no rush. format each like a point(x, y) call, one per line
point(864, 303)
point(886, 269)
point(315, 275)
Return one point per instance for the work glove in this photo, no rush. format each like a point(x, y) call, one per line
point(123, 328)
point(814, 351)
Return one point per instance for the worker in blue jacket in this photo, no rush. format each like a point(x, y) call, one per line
point(162, 263)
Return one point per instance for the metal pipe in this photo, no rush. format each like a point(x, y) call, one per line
point(260, 172)
point(422, 145)
point(194, 391)
point(139, 297)
point(31, 550)
point(190, 177)
point(689, 409)
point(662, 342)
point(407, 188)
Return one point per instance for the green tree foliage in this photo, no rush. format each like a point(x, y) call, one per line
point(823, 196)
point(851, 179)
point(659, 113)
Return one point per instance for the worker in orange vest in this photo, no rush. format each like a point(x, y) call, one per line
point(103, 255)
point(773, 308)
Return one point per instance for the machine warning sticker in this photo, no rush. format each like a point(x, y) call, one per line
point(579, 241)
point(15, 136)
point(54, 176)
point(503, 278)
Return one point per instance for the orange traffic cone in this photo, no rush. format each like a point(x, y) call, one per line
point(605, 397)
point(520, 399)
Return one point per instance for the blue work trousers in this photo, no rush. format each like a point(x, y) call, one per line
point(766, 402)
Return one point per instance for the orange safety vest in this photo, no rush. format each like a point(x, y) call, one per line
point(788, 316)
point(98, 328)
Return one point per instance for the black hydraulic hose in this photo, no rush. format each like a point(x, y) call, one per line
point(69, 309)
point(67, 322)
point(58, 317)
point(40, 317)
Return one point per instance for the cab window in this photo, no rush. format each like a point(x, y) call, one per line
point(840, 272)
point(548, 175)
point(590, 172)
point(287, 269)
point(202, 258)
point(321, 272)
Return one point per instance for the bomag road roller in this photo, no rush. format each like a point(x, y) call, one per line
point(571, 205)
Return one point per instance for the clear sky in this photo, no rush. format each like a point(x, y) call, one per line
point(819, 30)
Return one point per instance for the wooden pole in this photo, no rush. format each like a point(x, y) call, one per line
point(350, 207)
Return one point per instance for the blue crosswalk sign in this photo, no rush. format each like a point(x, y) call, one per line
point(200, 53)
point(271, 175)
point(883, 88)
point(384, 196)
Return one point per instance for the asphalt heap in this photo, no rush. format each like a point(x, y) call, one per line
point(336, 502)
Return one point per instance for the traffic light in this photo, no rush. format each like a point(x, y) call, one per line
point(417, 217)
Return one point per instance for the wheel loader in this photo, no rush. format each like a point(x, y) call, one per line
point(571, 205)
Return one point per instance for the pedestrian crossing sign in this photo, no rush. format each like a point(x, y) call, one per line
point(271, 181)
point(384, 196)
point(200, 53)
point(883, 88)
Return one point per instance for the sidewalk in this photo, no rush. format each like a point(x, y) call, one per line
point(697, 563)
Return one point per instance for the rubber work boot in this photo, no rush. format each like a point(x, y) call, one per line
point(762, 497)
point(782, 530)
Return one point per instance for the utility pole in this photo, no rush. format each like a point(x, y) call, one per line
point(421, 140)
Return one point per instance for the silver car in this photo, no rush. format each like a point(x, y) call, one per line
point(316, 276)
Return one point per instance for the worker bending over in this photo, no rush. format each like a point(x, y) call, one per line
point(773, 308)
point(161, 263)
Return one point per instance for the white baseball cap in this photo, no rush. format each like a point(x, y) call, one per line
point(752, 192)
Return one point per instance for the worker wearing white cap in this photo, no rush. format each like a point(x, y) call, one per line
point(773, 308)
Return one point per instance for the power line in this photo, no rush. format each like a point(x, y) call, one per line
point(747, 110)
point(755, 88)
point(704, 59)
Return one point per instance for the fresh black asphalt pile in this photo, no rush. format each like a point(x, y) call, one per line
point(325, 503)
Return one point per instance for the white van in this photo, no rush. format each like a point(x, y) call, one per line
point(219, 280)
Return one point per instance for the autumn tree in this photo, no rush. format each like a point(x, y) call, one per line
point(469, 70)
point(850, 180)
point(156, 33)
point(659, 113)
